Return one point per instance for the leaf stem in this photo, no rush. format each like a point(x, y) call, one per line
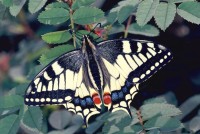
point(141, 120)
point(72, 27)
point(128, 24)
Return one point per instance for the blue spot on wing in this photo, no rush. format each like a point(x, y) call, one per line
point(114, 97)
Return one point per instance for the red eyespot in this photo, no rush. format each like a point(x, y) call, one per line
point(106, 98)
point(96, 99)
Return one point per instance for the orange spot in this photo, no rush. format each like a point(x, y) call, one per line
point(96, 99)
point(106, 98)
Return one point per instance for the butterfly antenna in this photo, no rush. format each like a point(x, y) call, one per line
point(95, 28)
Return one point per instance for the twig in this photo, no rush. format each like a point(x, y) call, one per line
point(141, 121)
point(128, 24)
point(72, 27)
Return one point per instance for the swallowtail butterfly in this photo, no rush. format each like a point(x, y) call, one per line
point(108, 73)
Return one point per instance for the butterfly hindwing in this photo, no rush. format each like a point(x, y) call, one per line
point(129, 63)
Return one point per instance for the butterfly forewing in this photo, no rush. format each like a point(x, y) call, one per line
point(129, 63)
point(54, 84)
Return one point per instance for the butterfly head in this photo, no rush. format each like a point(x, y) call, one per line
point(87, 43)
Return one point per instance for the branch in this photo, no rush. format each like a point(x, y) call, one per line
point(128, 24)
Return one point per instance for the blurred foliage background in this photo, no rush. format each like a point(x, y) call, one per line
point(31, 37)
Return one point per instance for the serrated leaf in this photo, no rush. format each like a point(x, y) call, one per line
point(155, 100)
point(122, 120)
point(36, 5)
point(145, 11)
point(33, 118)
point(179, 1)
point(111, 17)
point(7, 3)
point(110, 129)
point(57, 5)
point(54, 16)
point(124, 13)
point(16, 7)
point(130, 129)
point(54, 53)
point(118, 28)
point(11, 101)
point(165, 124)
point(9, 124)
point(87, 15)
point(189, 105)
point(165, 14)
point(147, 30)
point(78, 3)
point(60, 119)
point(57, 37)
point(190, 11)
point(20, 89)
point(194, 124)
point(151, 110)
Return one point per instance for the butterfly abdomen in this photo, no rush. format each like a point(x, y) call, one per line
point(93, 68)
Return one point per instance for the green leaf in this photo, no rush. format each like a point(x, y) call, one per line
point(9, 124)
point(57, 37)
point(147, 30)
point(7, 3)
point(54, 53)
point(16, 7)
point(145, 11)
point(179, 1)
point(33, 118)
point(78, 3)
point(194, 124)
point(54, 16)
point(190, 11)
point(165, 14)
point(124, 13)
point(111, 129)
point(2, 10)
point(118, 28)
point(165, 124)
point(87, 15)
point(111, 17)
point(122, 120)
point(20, 89)
point(151, 110)
point(57, 5)
point(11, 101)
point(154, 131)
point(60, 119)
point(155, 100)
point(36, 5)
point(130, 129)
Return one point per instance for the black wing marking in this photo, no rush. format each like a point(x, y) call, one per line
point(129, 63)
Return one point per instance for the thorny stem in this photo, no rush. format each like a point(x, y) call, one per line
point(141, 120)
point(128, 24)
point(72, 27)
point(70, 2)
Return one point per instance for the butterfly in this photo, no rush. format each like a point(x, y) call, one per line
point(108, 73)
